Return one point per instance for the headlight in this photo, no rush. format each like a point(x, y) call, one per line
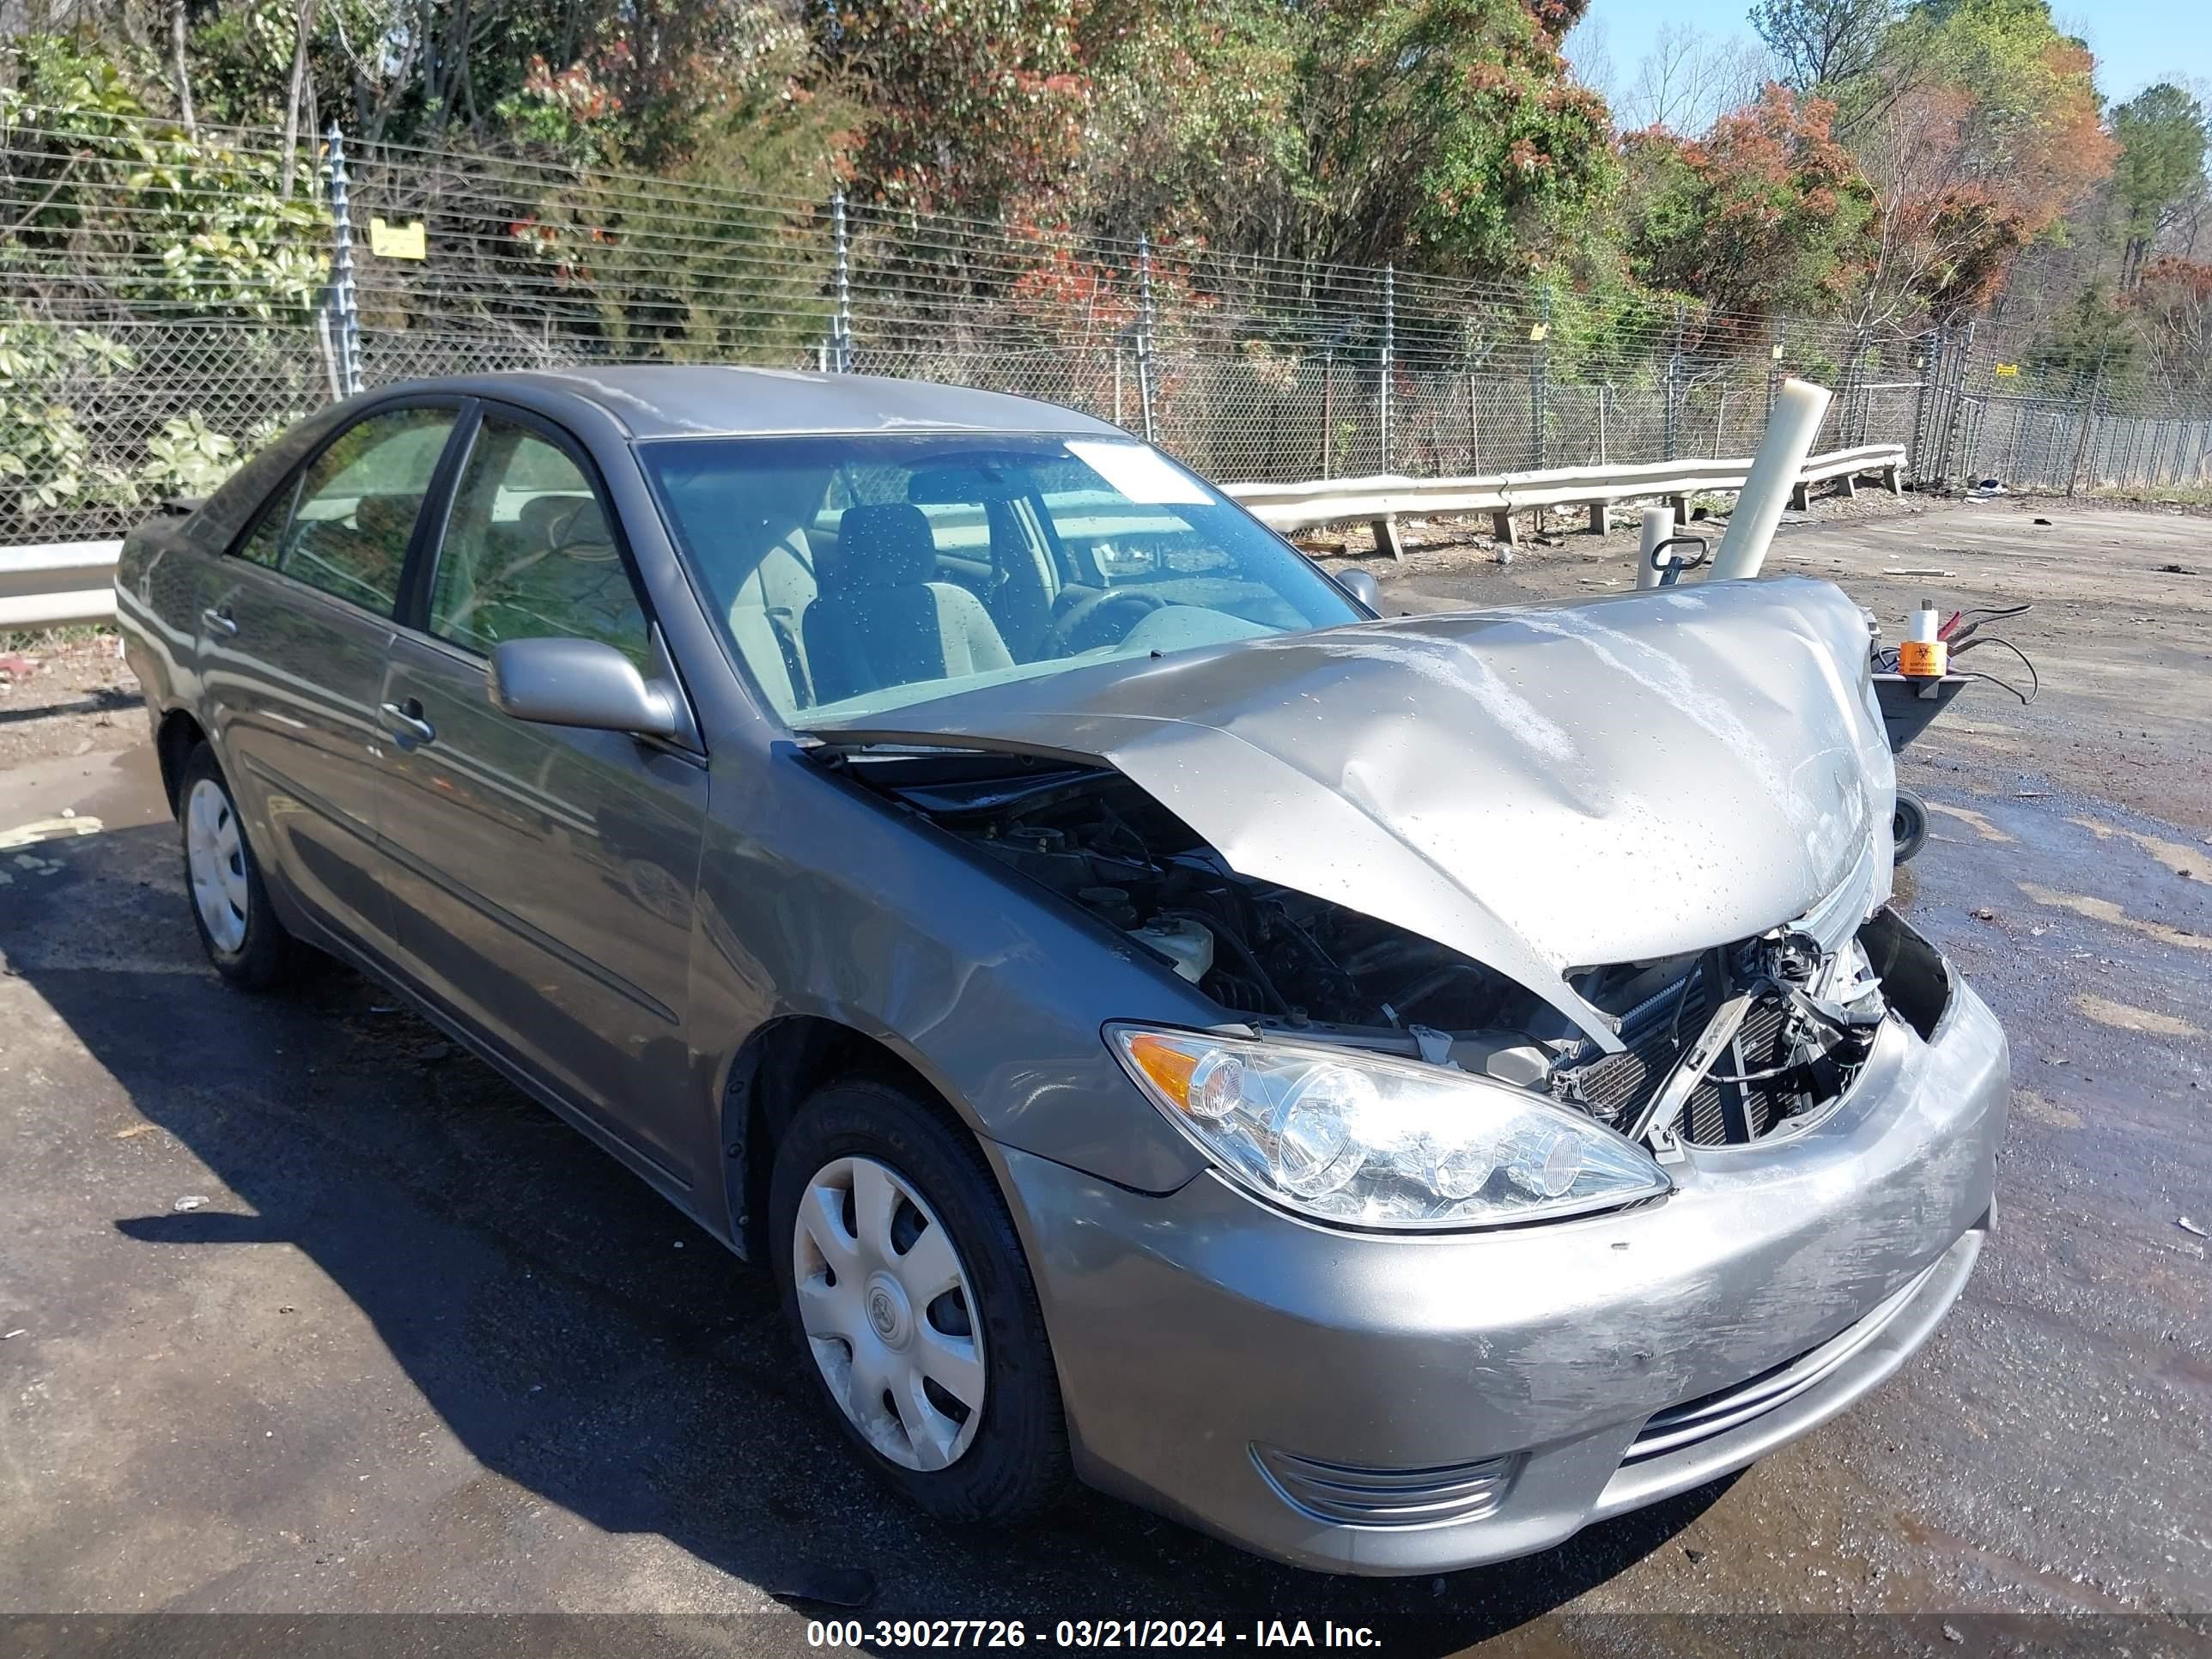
point(1377, 1142)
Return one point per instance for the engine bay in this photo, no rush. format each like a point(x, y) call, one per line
point(1720, 1047)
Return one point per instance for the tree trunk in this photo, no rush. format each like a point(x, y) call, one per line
point(184, 79)
point(306, 25)
point(314, 123)
point(463, 28)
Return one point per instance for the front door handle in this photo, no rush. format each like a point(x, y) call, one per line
point(405, 722)
point(218, 620)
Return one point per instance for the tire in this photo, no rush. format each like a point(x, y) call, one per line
point(1909, 827)
point(1002, 1460)
point(238, 925)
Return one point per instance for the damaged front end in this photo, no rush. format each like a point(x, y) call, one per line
point(1720, 1047)
point(1617, 854)
point(1732, 1045)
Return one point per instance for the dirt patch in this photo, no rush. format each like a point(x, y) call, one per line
point(2048, 1113)
point(2113, 915)
point(2105, 1011)
point(1967, 815)
point(66, 693)
point(2176, 856)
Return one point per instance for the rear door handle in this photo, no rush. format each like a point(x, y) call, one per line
point(405, 722)
point(218, 620)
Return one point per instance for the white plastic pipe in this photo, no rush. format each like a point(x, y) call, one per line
point(1658, 525)
point(1798, 407)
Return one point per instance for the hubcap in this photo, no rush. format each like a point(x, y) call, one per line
point(888, 1313)
point(215, 860)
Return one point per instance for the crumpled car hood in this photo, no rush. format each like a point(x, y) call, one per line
point(1542, 788)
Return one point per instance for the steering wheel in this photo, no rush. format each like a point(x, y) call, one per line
point(1060, 640)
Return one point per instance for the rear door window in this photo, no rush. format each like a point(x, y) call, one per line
point(357, 505)
point(266, 543)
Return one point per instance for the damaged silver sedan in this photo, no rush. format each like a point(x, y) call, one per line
point(1389, 1092)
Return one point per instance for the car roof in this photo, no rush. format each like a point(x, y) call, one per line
point(692, 400)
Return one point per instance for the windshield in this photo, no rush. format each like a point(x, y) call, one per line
point(857, 574)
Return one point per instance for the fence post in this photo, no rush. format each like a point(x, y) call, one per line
point(1473, 420)
point(1773, 366)
point(2088, 424)
point(1390, 345)
point(344, 302)
point(1962, 355)
point(1327, 411)
point(1850, 407)
point(1539, 386)
point(1672, 417)
point(840, 319)
point(1923, 369)
point(1144, 335)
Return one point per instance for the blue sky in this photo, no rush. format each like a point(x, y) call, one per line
point(2136, 41)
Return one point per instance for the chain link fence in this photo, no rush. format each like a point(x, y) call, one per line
point(167, 303)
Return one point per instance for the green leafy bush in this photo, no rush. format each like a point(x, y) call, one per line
point(129, 207)
point(47, 461)
point(187, 458)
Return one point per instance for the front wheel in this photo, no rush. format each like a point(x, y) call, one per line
point(907, 1292)
point(238, 926)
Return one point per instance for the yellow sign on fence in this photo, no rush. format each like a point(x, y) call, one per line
point(406, 241)
point(2009, 371)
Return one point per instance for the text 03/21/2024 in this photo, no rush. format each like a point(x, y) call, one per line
point(1084, 1633)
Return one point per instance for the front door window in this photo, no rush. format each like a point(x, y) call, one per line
point(529, 554)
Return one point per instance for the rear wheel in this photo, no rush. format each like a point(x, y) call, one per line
point(238, 926)
point(907, 1292)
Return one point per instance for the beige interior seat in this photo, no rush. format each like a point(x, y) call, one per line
point(882, 620)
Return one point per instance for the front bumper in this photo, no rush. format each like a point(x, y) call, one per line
point(1541, 1378)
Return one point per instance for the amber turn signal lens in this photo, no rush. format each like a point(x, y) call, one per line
point(1166, 1067)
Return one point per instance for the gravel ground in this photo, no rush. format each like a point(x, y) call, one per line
point(417, 1349)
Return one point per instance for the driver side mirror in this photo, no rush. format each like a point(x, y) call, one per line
point(1361, 586)
point(580, 683)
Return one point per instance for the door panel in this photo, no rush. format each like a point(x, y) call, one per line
point(543, 877)
point(292, 648)
point(291, 682)
point(541, 883)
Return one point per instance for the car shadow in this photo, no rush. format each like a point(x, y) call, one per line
point(577, 1337)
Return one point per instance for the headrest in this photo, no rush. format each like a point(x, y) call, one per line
point(540, 513)
point(389, 519)
point(885, 546)
point(582, 532)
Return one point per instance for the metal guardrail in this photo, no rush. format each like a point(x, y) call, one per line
point(57, 582)
point(62, 582)
point(1383, 501)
